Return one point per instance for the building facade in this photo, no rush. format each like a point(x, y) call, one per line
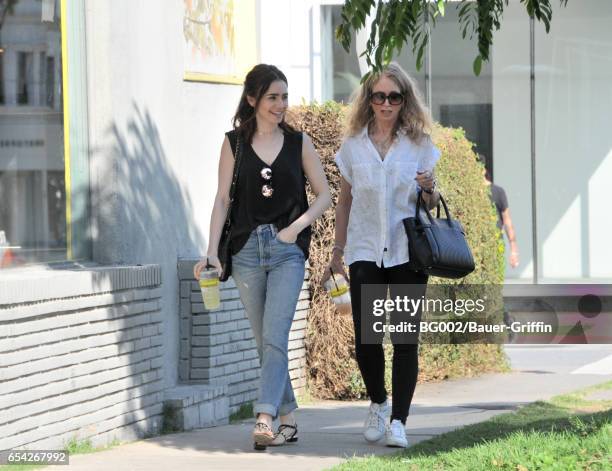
point(108, 163)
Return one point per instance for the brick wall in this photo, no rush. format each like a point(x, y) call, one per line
point(80, 356)
point(217, 347)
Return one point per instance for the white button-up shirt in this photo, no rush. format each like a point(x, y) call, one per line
point(384, 193)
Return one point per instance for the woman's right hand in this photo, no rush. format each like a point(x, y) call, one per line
point(210, 260)
point(336, 265)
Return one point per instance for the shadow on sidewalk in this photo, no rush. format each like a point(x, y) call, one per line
point(330, 429)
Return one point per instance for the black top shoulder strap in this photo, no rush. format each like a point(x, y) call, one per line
point(232, 136)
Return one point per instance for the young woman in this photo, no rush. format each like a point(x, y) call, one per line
point(385, 157)
point(270, 233)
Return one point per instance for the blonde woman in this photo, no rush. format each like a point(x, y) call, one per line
point(386, 156)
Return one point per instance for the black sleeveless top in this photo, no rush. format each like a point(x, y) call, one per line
point(288, 201)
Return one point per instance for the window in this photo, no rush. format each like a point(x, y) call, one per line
point(1, 77)
point(32, 187)
point(573, 99)
point(342, 71)
point(50, 82)
point(459, 99)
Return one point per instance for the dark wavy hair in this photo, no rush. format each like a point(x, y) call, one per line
point(256, 84)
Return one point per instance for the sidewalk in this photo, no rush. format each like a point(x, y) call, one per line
point(330, 431)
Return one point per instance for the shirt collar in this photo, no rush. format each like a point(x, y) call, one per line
point(364, 133)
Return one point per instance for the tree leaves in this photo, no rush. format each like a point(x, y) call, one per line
point(7, 7)
point(398, 22)
point(477, 66)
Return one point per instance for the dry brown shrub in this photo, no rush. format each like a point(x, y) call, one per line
point(329, 341)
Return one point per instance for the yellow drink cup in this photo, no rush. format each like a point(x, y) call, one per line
point(209, 285)
point(338, 288)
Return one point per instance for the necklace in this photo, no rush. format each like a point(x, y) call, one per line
point(261, 133)
point(383, 145)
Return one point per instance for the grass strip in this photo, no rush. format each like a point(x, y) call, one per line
point(568, 432)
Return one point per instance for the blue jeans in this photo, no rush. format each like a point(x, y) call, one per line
point(269, 275)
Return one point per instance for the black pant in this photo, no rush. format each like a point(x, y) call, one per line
point(370, 357)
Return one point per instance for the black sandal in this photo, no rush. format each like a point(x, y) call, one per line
point(262, 436)
point(285, 434)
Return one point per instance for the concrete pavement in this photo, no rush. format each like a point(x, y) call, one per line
point(330, 431)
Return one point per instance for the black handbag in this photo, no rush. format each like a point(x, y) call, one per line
point(437, 246)
point(225, 248)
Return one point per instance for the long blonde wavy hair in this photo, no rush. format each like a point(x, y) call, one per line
point(414, 117)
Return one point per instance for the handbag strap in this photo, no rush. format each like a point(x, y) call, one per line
point(232, 192)
point(333, 277)
point(429, 216)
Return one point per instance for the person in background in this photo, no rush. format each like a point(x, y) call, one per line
point(504, 220)
point(504, 223)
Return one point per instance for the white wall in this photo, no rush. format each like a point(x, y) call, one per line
point(286, 41)
point(155, 143)
point(573, 143)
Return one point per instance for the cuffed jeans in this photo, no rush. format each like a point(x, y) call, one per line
point(269, 275)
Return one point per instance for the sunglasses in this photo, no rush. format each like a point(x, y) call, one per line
point(266, 189)
point(379, 98)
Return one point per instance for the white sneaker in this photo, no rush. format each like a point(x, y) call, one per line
point(396, 434)
point(375, 424)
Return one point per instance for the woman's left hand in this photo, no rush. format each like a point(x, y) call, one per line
point(287, 235)
point(425, 179)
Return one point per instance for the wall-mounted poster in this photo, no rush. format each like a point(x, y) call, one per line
point(220, 40)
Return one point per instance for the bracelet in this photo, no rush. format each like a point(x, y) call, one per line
point(432, 189)
point(340, 249)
